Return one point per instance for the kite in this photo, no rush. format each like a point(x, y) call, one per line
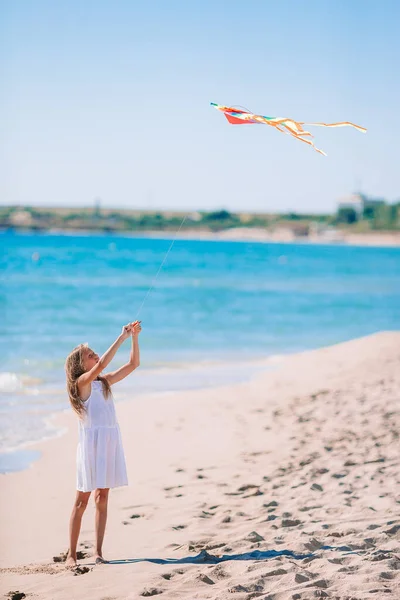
point(283, 124)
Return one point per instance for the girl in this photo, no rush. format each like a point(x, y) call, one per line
point(100, 455)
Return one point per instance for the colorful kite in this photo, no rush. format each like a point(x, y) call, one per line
point(293, 128)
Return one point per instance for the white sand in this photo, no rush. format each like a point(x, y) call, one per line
point(302, 459)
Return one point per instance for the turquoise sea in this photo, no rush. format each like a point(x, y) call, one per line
point(216, 309)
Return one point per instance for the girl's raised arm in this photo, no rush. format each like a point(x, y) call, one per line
point(86, 378)
point(134, 359)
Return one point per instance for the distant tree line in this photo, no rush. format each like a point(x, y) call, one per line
point(381, 216)
point(377, 217)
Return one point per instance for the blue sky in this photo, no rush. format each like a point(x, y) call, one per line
point(110, 99)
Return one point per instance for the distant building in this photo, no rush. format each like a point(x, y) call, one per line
point(354, 201)
point(359, 203)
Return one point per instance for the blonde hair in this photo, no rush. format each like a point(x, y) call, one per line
point(73, 370)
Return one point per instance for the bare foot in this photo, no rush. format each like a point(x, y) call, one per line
point(70, 562)
point(99, 560)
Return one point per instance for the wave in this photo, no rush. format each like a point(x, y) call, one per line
point(10, 382)
point(13, 382)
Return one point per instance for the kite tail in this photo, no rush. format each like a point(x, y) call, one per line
point(309, 142)
point(294, 129)
point(341, 124)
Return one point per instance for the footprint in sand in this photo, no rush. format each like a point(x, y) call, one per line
point(16, 595)
point(290, 522)
point(172, 487)
point(320, 583)
point(134, 516)
point(387, 575)
point(313, 544)
point(62, 557)
point(394, 564)
point(205, 514)
point(258, 492)
point(269, 518)
point(336, 534)
point(340, 475)
point(168, 576)
point(380, 556)
point(219, 572)
point(80, 555)
point(254, 537)
point(275, 572)
point(215, 545)
point(86, 545)
point(238, 588)
point(80, 570)
point(393, 530)
point(350, 569)
point(151, 592)
point(256, 586)
point(194, 546)
point(317, 487)
point(205, 579)
point(280, 539)
point(306, 561)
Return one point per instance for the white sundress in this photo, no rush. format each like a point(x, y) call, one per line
point(100, 456)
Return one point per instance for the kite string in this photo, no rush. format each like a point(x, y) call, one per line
point(161, 266)
point(240, 106)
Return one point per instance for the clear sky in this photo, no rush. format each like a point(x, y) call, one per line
point(111, 98)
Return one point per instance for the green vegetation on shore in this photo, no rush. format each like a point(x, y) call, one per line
point(373, 217)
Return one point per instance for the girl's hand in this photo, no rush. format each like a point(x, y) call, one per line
point(136, 328)
point(126, 331)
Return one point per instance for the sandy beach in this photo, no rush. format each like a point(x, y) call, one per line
point(284, 487)
point(279, 236)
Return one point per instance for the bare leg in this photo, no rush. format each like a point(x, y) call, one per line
point(101, 499)
point(80, 505)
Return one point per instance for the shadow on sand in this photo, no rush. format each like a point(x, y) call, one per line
point(204, 558)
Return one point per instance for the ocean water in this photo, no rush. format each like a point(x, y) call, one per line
point(216, 310)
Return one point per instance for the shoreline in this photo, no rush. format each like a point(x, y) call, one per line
point(301, 458)
point(29, 453)
point(242, 234)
